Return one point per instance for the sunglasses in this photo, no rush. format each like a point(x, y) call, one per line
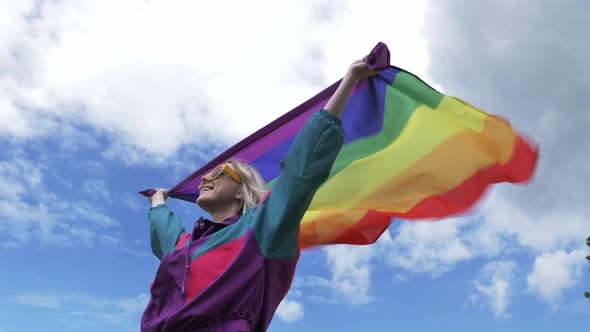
point(215, 173)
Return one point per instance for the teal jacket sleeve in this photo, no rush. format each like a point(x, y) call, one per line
point(165, 230)
point(304, 169)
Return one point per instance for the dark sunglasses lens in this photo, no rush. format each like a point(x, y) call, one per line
point(216, 172)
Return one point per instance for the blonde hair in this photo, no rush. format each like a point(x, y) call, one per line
point(253, 186)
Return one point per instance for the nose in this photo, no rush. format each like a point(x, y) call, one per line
point(204, 180)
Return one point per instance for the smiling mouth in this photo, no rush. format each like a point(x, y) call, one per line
point(207, 188)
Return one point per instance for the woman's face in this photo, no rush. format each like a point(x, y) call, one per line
point(223, 190)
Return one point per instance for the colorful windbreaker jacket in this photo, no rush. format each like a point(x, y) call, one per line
point(231, 276)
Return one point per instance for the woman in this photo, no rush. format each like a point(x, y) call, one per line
point(232, 272)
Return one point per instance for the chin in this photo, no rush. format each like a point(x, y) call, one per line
point(202, 201)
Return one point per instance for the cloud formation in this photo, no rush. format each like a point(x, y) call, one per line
point(494, 287)
point(85, 309)
point(36, 210)
point(164, 74)
point(428, 247)
point(290, 310)
point(555, 272)
point(523, 60)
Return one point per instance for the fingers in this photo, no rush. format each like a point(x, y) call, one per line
point(159, 197)
point(360, 69)
point(160, 192)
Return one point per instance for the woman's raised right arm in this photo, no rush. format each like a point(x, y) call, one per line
point(165, 225)
point(304, 169)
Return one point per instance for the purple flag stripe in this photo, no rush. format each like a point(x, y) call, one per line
point(287, 131)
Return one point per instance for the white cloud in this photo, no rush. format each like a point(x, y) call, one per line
point(87, 308)
point(428, 247)
point(422, 247)
point(9, 245)
point(555, 272)
point(30, 211)
point(494, 286)
point(499, 227)
point(16, 176)
point(132, 202)
point(97, 189)
point(153, 88)
point(537, 230)
point(84, 236)
point(89, 212)
point(351, 272)
point(290, 310)
point(51, 301)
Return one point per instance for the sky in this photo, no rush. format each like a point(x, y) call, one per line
point(101, 99)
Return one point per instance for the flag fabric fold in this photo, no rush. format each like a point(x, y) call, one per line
point(410, 152)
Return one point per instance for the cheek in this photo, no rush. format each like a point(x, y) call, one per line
point(229, 189)
point(220, 190)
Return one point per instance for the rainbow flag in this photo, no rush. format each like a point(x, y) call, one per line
point(410, 152)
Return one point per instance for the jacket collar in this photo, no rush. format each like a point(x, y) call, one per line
point(204, 227)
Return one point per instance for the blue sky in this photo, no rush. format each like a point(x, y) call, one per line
point(91, 113)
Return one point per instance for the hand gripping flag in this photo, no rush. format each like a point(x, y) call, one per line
point(410, 152)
